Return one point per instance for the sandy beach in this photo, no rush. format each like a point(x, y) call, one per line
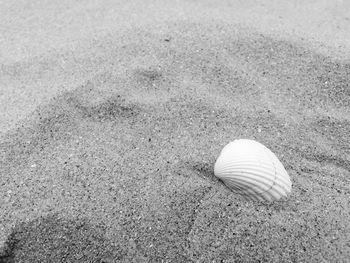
point(113, 114)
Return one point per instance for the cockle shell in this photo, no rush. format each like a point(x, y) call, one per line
point(250, 169)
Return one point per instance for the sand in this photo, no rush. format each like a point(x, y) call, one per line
point(114, 114)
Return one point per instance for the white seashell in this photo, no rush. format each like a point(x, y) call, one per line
point(250, 169)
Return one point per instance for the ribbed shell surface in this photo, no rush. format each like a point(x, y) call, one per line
point(250, 169)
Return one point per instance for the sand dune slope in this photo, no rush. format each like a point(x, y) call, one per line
point(119, 168)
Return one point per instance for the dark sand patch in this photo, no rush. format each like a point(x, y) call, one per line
point(59, 239)
point(111, 153)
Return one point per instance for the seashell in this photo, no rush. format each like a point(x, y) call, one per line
point(250, 169)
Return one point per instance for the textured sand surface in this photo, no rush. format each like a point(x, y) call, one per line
point(114, 114)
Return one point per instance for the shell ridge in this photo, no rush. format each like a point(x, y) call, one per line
point(248, 176)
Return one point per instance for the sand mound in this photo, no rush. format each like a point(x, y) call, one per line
point(120, 167)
